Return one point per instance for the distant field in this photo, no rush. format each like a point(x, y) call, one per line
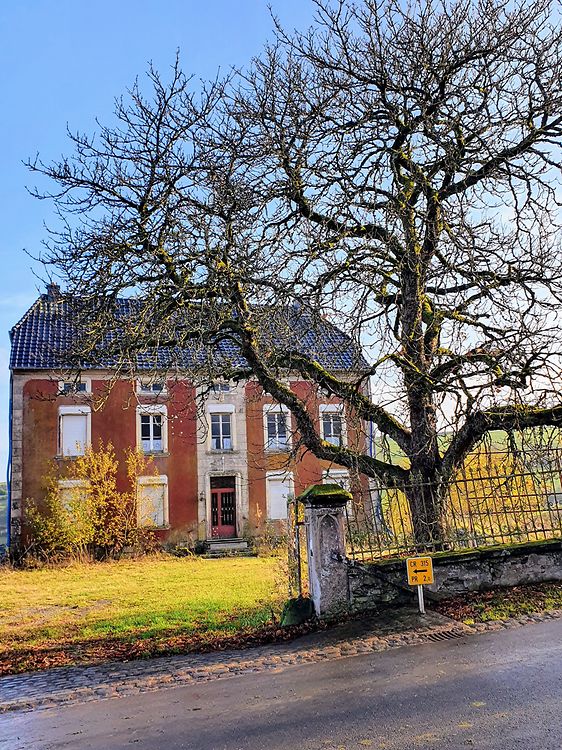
point(85, 612)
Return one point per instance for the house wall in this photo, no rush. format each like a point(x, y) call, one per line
point(188, 464)
point(224, 463)
point(305, 468)
point(113, 419)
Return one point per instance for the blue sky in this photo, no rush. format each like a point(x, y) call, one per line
point(64, 62)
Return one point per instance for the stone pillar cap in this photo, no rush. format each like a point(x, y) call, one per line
point(325, 496)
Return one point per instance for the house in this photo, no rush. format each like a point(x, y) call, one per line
point(224, 469)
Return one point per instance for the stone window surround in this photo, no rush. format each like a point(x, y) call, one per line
point(335, 476)
point(61, 384)
point(149, 392)
point(152, 409)
point(157, 479)
point(276, 475)
point(276, 409)
point(222, 408)
point(77, 411)
point(333, 409)
point(69, 484)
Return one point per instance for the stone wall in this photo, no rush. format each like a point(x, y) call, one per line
point(371, 584)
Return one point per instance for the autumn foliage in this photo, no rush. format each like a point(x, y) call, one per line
point(83, 513)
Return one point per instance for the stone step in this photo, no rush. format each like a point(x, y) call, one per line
point(230, 544)
point(228, 553)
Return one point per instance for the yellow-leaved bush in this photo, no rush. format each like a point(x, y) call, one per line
point(83, 513)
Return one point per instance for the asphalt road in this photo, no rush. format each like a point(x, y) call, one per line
point(500, 690)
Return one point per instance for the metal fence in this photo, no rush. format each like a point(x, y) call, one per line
point(498, 497)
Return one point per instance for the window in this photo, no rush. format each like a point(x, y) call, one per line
point(152, 501)
point(73, 491)
point(279, 488)
point(151, 387)
point(337, 476)
point(221, 432)
point(276, 425)
point(218, 388)
point(68, 387)
point(74, 385)
point(152, 429)
point(341, 478)
point(151, 432)
point(74, 430)
point(332, 424)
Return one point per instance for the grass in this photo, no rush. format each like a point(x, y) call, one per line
point(85, 612)
point(503, 603)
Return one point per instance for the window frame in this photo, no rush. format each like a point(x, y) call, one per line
point(153, 410)
point(71, 390)
point(150, 392)
point(219, 388)
point(330, 476)
point(276, 409)
point(336, 474)
point(68, 411)
point(155, 479)
point(221, 410)
point(333, 409)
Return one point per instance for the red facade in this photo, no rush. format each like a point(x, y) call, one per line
point(203, 500)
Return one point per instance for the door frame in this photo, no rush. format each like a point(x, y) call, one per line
point(238, 497)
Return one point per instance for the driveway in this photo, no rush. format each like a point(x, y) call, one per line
point(500, 689)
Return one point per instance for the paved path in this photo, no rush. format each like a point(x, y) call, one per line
point(79, 684)
point(109, 680)
point(498, 690)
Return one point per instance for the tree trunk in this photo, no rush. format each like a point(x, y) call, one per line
point(425, 497)
point(425, 490)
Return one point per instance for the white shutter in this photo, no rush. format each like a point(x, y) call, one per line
point(72, 491)
point(152, 500)
point(341, 478)
point(74, 434)
point(278, 490)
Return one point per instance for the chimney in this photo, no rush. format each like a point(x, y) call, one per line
point(53, 292)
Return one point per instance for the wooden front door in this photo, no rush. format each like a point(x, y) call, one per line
point(223, 507)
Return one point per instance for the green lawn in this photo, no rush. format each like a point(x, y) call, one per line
point(141, 607)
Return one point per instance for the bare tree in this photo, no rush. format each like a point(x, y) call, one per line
point(395, 168)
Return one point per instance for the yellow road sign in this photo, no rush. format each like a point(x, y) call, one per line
point(420, 570)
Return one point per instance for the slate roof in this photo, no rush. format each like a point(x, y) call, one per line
point(43, 340)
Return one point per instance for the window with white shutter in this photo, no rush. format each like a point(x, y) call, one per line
point(152, 501)
point(341, 478)
point(279, 489)
point(74, 430)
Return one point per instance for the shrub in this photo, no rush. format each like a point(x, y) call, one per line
point(83, 514)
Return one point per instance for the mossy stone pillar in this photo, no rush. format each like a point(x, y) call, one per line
point(325, 535)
